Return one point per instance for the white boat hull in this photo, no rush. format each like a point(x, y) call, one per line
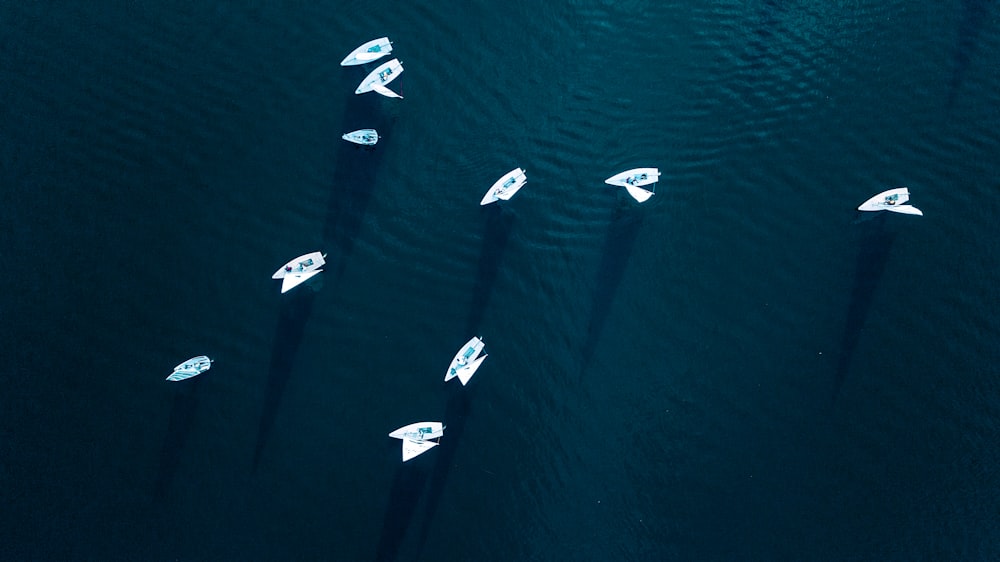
point(191, 368)
point(892, 200)
point(467, 361)
point(419, 430)
point(635, 180)
point(418, 438)
point(365, 137)
point(378, 79)
point(299, 270)
point(370, 51)
point(505, 187)
point(638, 176)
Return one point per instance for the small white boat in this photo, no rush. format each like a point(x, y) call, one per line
point(893, 200)
point(297, 271)
point(418, 438)
point(367, 137)
point(505, 187)
point(466, 361)
point(190, 368)
point(634, 181)
point(378, 78)
point(372, 50)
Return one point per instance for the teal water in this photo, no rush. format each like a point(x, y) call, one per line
point(740, 368)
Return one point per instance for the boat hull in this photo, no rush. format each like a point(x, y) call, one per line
point(639, 177)
point(505, 187)
point(418, 438)
point(380, 77)
point(190, 368)
point(892, 200)
point(370, 51)
point(634, 181)
point(299, 270)
point(365, 137)
point(418, 431)
point(467, 361)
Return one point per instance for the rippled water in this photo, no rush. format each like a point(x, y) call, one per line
point(741, 368)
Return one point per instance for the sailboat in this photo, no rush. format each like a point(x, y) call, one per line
point(299, 270)
point(892, 200)
point(505, 187)
point(634, 181)
point(366, 137)
point(378, 78)
point(191, 368)
point(466, 361)
point(372, 50)
point(418, 438)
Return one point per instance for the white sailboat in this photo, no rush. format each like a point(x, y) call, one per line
point(418, 438)
point(892, 200)
point(378, 78)
point(366, 137)
point(505, 187)
point(191, 368)
point(635, 180)
point(297, 271)
point(372, 50)
point(466, 361)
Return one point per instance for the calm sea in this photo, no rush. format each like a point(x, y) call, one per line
point(741, 368)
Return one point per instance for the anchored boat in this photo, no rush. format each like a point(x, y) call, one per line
point(466, 361)
point(418, 438)
point(191, 368)
point(297, 271)
point(378, 78)
point(505, 187)
point(893, 200)
point(367, 137)
point(372, 50)
point(635, 182)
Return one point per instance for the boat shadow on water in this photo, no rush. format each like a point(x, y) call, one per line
point(618, 245)
point(404, 496)
point(354, 177)
point(499, 223)
point(182, 413)
point(294, 312)
point(873, 254)
point(456, 414)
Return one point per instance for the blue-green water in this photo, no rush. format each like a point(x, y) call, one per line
point(738, 369)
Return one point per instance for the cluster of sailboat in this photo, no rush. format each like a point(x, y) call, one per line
point(640, 183)
point(376, 81)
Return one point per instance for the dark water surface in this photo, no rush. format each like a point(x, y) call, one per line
point(738, 369)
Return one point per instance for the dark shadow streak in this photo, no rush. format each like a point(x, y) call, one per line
point(353, 178)
point(873, 254)
point(182, 414)
point(975, 14)
point(456, 414)
point(498, 225)
point(618, 246)
point(407, 486)
point(295, 309)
